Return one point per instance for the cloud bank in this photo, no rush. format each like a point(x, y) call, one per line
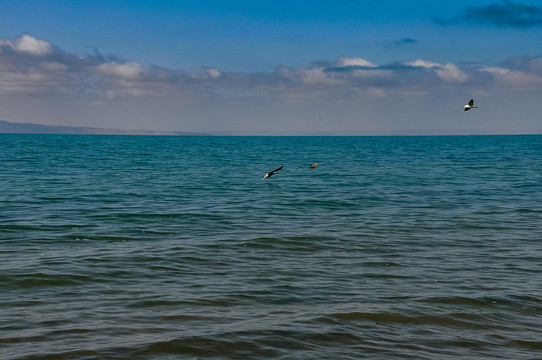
point(505, 14)
point(34, 71)
point(33, 67)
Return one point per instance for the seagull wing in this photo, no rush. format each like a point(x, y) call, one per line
point(272, 173)
point(471, 102)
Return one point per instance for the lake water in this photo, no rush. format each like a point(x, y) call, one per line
point(135, 247)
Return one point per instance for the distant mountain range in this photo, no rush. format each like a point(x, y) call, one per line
point(29, 128)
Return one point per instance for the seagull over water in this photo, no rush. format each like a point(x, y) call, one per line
point(470, 105)
point(271, 173)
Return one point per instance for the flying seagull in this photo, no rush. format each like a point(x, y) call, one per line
point(470, 105)
point(271, 173)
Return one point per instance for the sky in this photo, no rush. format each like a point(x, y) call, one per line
point(277, 67)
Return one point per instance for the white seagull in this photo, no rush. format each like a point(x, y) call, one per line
point(271, 173)
point(470, 105)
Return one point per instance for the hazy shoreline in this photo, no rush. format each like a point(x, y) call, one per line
point(8, 127)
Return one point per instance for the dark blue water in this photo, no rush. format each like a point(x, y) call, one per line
point(132, 247)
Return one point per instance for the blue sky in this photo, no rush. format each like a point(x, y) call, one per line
point(274, 67)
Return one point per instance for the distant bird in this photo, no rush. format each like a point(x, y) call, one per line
point(271, 173)
point(313, 165)
point(470, 105)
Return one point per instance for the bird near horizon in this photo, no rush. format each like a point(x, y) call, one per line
point(470, 105)
point(271, 173)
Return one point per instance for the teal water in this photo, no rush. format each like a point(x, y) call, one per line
point(133, 247)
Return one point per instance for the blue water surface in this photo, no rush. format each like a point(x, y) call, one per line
point(157, 247)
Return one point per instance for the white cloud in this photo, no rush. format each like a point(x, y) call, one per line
point(313, 76)
point(33, 46)
point(344, 62)
point(511, 79)
point(130, 71)
point(213, 73)
point(447, 72)
point(5, 42)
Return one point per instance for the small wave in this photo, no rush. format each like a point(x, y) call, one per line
point(529, 345)
point(517, 302)
point(309, 243)
point(43, 280)
point(261, 344)
point(209, 348)
point(410, 318)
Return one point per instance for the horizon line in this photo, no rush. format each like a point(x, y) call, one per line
point(35, 128)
